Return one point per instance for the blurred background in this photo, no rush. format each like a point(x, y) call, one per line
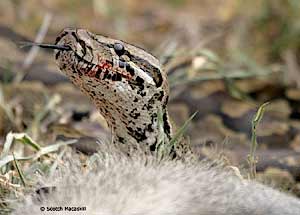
point(224, 58)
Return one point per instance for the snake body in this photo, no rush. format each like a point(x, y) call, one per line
point(125, 82)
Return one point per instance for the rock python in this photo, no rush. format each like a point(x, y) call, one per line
point(126, 83)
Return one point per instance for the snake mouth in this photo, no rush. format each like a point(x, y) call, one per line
point(47, 46)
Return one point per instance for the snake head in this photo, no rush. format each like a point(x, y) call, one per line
point(105, 52)
point(125, 82)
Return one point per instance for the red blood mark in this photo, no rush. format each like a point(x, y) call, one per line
point(125, 74)
point(105, 67)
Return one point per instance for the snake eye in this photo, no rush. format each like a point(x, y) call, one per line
point(119, 49)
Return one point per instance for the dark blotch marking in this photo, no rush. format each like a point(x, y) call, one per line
point(74, 35)
point(166, 102)
point(89, 67)
point(134, 114)
point(119, 77)
point(98, 72)
point(138, 135)
point(122, 64)
point(156, 97)
point(153, 147)
point(93, 93)
point(78, 72)
point(156, 74)
point(116, 77)
point(153, 71)
point(149, 128)
point(139, 80)
point(167, 127)
point(142, 93)
point(130, 129)
point(129, 69)
point(105, 76)
point(134, 84)
point(81, 43)
point(60, 36)
point(121, 140)
point(160, 95)
point(57, 55)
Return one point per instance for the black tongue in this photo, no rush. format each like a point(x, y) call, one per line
point(46, 46)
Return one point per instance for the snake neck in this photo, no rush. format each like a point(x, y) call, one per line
point(128, 132)
point(132, 118)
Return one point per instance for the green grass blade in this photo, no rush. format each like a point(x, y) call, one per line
point(21, 137)
point(251, 157)
point(182, 130)
point(19, 171)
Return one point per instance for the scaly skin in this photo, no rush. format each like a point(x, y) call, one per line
point(126, 83)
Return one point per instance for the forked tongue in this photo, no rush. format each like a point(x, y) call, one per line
point(44, 45)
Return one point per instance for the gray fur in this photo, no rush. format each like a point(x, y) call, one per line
point(129, 186)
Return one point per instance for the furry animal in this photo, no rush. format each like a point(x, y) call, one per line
point(140, 185)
